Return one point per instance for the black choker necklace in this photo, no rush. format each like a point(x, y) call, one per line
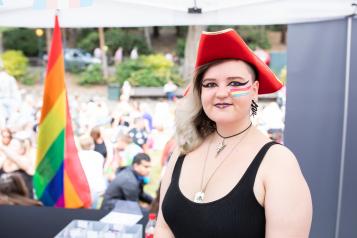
point(222, 145)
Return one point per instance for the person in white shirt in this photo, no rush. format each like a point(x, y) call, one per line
point(92, 163)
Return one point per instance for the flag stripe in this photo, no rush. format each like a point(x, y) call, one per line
point(71, 195)
point(57, 114)
point(56, 48)
point(240, 94)
point(49, 165)
point(54, 89)
point(54, 190)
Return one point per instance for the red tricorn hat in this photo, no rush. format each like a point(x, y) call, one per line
point(227, 44)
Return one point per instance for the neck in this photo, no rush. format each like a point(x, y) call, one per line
point(229, 129)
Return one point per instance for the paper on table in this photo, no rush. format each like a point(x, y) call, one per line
point(121, 218)
point(124, 213)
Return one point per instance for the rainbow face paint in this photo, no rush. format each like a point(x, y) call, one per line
point(240, 92)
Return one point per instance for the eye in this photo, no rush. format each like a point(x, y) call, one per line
point(237, 84)
point(209, 85)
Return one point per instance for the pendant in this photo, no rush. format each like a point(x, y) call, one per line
point(199, 196)
point(220, 147)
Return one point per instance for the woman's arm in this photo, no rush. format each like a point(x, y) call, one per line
point(162, 230)
point(288, 206)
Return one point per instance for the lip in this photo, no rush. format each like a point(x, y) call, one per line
point(222, 105)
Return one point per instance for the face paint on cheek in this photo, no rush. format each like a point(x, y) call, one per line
point(240, 92)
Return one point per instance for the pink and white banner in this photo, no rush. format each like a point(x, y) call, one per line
point(61, 4)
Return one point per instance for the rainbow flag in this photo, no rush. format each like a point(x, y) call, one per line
point(59, 178)
point(239, 92)
point(61, 4)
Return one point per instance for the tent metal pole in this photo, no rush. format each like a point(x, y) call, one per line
point(344, 128)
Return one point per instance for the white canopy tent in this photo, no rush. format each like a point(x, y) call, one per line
point(138, 13)
point(134, 13)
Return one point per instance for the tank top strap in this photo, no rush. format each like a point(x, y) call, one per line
point(253, 168)
point(177, 169)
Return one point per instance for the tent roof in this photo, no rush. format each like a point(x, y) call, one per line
point(130, 13)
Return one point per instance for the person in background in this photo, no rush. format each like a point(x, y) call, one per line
point(13, 191)
point(98, 141)
point(10, 96)
point(170, 90)
point(124, 153)
point(125, 91)
point(129, 183)
point(134, 54)
point(138, 133)
point(18, 158)
point(92, 163)
point(118, 56)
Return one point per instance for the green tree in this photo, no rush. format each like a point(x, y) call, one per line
point(89, 42)
point(148, 71)
point(22, 39)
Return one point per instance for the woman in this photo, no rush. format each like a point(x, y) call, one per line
point(227, 179)
point(99, 144)
point(19, 158)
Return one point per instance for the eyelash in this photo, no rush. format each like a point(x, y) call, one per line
point(233, 84)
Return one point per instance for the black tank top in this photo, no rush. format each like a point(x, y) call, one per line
point(238, 214)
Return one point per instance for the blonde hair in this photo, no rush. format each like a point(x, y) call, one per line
point(192, 123)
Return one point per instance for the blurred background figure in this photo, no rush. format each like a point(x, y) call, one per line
point(118, 56)
point(134, 53)
point(99, 145)
point(17, 156)
point(10, 96)
point(125, 150)
point(129, 183)
point(13, 191)
point(125, 91)
point(92, 163)
point(97, 53)
point(170, 90)
point(138, 133)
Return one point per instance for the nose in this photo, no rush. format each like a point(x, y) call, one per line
point(222, 91)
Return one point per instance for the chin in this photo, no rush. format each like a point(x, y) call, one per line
point(223, 120)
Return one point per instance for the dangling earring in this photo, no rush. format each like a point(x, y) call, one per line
point(254, 108)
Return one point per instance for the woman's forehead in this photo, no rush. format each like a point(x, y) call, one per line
point(230, 69)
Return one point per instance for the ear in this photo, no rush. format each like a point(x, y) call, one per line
point(255, 89)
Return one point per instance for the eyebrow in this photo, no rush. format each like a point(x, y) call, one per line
point(228, 78)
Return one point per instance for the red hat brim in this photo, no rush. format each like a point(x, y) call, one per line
point(227, 44)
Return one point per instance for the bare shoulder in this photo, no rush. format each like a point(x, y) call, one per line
point(280, 158)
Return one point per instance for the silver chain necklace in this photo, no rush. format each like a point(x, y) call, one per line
point(199, 196)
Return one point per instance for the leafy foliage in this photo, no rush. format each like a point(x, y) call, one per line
point(116, 38)
point(92, 75)
point(15, 63)
point(24, 40)
point(89, 42)
point(180, 47)
point(148, 71)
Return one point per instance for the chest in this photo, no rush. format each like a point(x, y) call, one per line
point(216, 178)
